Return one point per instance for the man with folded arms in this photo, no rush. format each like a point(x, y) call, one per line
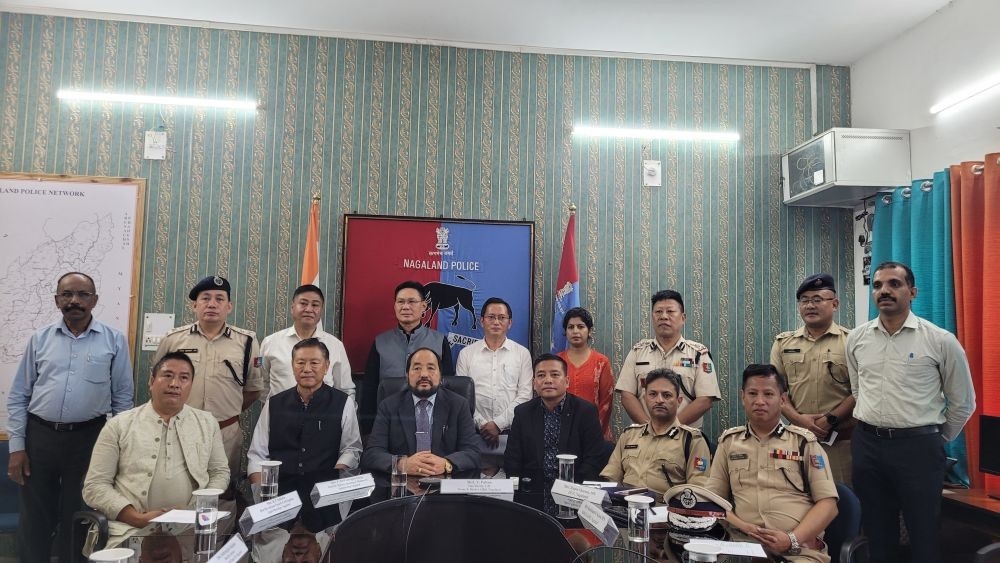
point(429, 425)
point(150, 459)
point(312, 429)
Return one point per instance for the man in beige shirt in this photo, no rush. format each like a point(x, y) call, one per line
point(914, 392)
point(689, 359)
point(782, 492)
point(663, 452)
point(150, 459)
point(226, 358)
point(813, 360)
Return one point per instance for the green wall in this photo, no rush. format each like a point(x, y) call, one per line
point(416, 130)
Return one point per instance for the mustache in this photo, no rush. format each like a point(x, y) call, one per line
point(69, 308)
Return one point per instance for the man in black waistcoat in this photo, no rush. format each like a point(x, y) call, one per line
point(312, 429)
point(425, 422)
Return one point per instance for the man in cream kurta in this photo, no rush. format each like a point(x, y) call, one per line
point(150, 459)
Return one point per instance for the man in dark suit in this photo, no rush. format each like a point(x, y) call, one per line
point(429, 425)
point(555, 422)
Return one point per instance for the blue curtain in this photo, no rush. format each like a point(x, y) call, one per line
point(913, 226)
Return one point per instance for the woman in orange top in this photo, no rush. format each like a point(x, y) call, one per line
point(590, 375)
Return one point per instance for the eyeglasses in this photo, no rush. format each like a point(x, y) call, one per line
point(410, 302)
point(69, 294)
point(492, 318)
point(814, 300)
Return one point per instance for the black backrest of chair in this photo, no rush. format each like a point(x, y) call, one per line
point(450, 528)
point(847, 524)
point(464, 386)
point(988, 554)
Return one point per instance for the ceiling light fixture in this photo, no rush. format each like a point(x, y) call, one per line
point(966, 94)
point(668, 134)
point(74, 95)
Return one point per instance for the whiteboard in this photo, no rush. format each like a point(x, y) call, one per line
point(50, 225)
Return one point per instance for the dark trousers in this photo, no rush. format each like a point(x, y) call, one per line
point(52, 493)
point(901, 474)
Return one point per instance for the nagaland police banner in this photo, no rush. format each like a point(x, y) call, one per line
point(461, 263)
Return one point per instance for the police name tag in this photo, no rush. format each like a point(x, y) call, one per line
point(498, 488)
point(342, 490)
point(571, 494)
point(233, 551)
point(270, 513)
point(597, 521)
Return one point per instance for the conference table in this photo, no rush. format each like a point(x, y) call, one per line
point(478, 523)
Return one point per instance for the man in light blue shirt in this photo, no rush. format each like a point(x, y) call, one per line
point(73, 373)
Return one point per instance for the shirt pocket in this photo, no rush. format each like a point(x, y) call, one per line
point(788, 475)
point(663, 467)
point(836, 369)
point(98, 367)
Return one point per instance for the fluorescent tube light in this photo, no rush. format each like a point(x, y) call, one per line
point(589, 131)
point(966, 94)
point(75, 95)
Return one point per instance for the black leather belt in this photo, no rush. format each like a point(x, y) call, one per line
point(891, 433)
point(67, 426)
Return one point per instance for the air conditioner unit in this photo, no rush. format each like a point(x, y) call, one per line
point(842, 166)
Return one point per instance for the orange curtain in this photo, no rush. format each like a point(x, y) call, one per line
point(975, 203)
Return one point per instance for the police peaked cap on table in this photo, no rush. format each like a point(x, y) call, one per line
point(699, 502)
point(211, 282)
point(816, 282)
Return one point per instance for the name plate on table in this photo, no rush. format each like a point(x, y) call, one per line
point(597, 521)
point(342, 490)
point(270, 513)
point(571, 494)
point(233, 551)
point(497, 488)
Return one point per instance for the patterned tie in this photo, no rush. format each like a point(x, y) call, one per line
point(423, 425)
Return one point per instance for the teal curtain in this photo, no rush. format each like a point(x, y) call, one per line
point(913, 226)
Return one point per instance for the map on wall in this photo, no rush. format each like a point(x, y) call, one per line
point(53, 225)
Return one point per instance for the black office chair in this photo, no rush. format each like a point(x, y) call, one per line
point(82, 521)
point(988, 554)
point(434, 528)
point(464, 386)
point(854, 552)
point(847, 524)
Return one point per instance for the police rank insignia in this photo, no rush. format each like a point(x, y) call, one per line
point(700, 463)
point(706, 367)
point(817, 461)
point(787, 454)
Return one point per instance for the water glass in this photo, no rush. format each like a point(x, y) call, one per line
point(269, 479)
point(567, 465)
point(638, 517)
point(398, 477)
point(206, 517)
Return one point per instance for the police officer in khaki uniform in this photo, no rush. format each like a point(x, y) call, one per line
point(777, 476)
point(661, 453)
point(226, 361)
point(814, 361)
point(690, 359)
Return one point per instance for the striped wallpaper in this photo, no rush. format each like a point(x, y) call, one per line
point(402, 129)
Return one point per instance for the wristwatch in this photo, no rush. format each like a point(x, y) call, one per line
point(795, 548)
point(832, 419)
point(447, 467)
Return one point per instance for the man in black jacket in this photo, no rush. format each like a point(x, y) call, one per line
point(555, 422)
point(428, 424)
